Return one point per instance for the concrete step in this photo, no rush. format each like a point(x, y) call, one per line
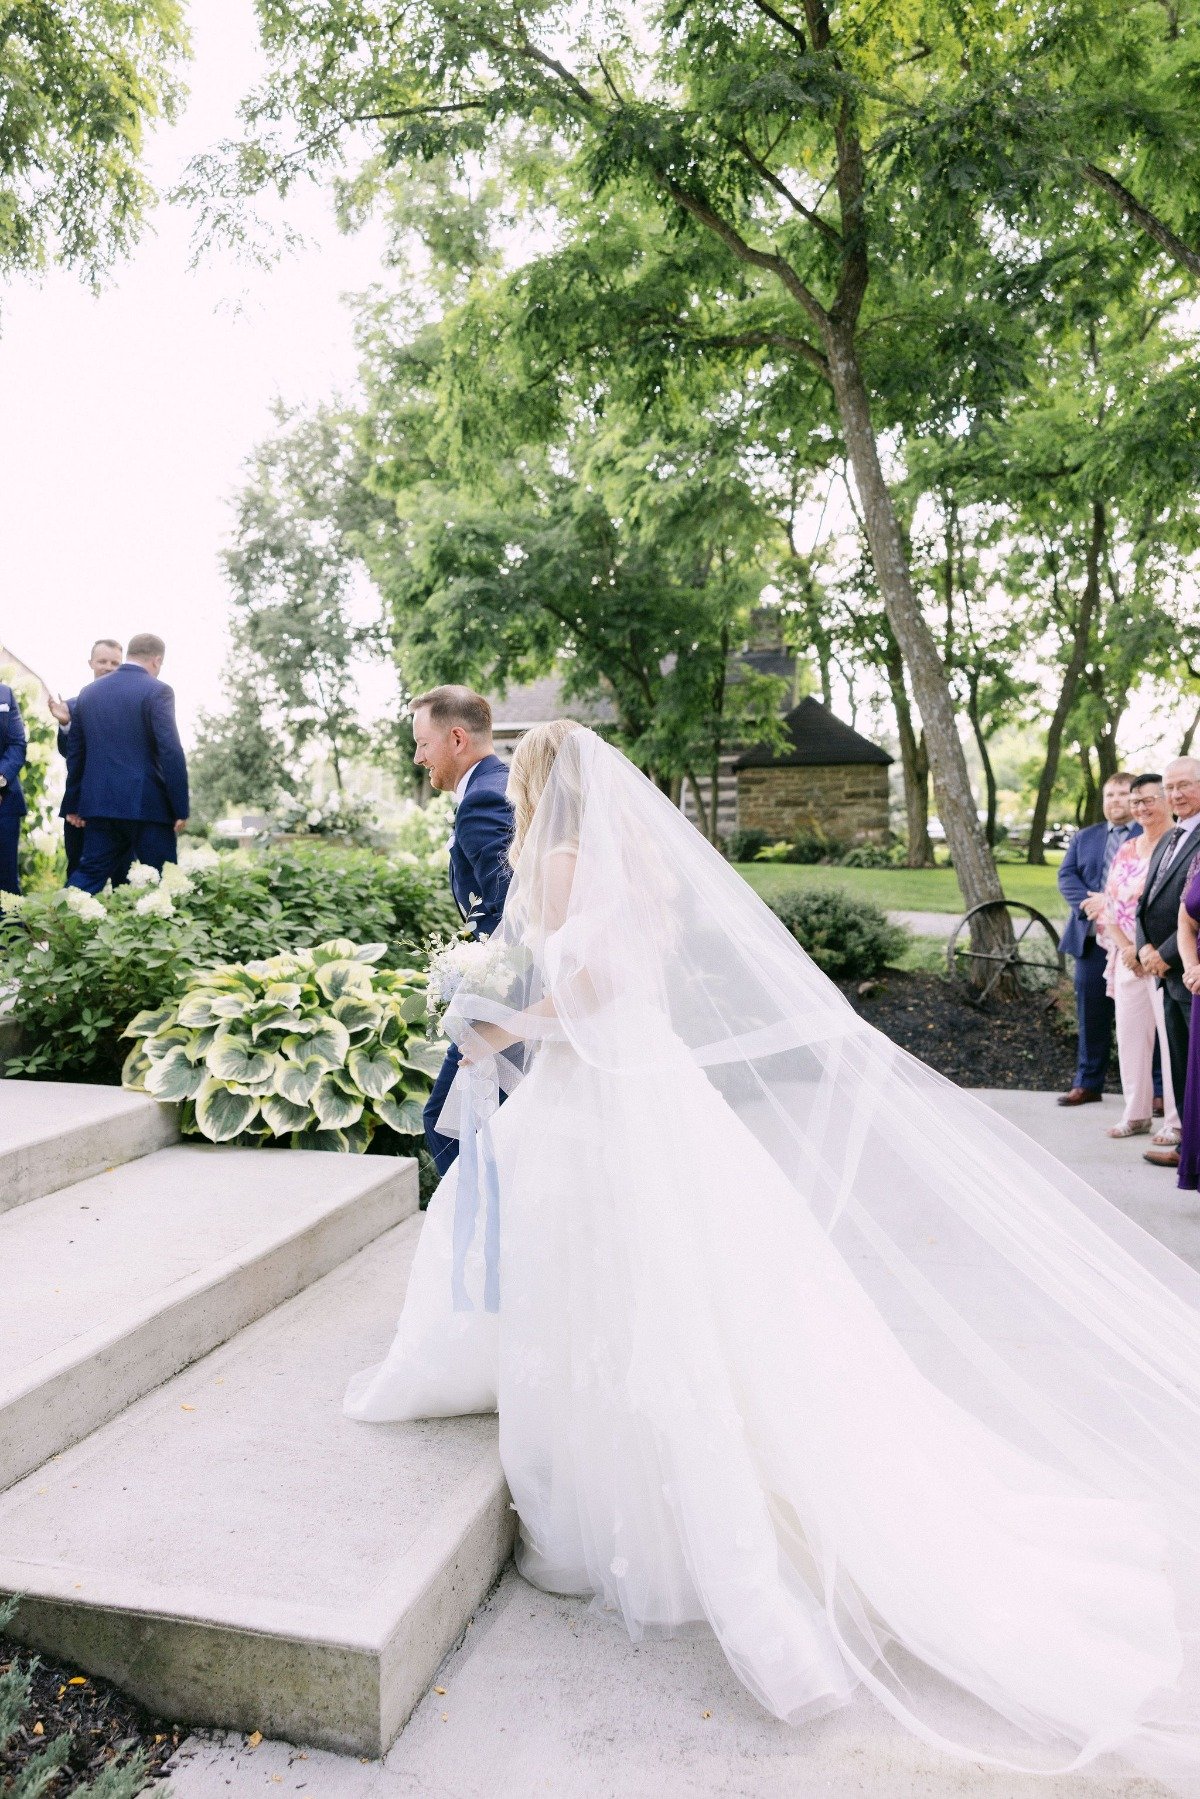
point(234, 1551)
point(114, 1284)
point(56, 1132)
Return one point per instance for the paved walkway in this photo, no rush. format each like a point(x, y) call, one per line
point(544, 1696)
point(936, 924)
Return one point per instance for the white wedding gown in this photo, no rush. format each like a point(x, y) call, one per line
point(840, 1404)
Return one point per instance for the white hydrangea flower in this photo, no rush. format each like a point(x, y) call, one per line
point(11, 904)
point(201, 855)
point(85, 905)
point(156, 905)
point(176, 881)
point(313, 817)
point(142, 875)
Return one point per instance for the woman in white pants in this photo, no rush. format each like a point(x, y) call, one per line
point(1135, 994)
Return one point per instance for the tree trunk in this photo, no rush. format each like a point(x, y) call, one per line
point(1070, 684)
point(1090, 808)
point(1189, 736)
point(914, 762)
point(989, 773)
point(974, 863)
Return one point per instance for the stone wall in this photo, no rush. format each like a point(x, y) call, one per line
point(848, 800)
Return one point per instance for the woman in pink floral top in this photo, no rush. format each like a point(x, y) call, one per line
point(1135, 994)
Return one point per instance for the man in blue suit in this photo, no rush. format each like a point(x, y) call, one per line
point(12, 799)
point(127, 785)
point(1081, 877)
point(453, 731)
point(106, 656)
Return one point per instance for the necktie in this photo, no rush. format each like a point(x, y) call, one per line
point(1113, 842)
point(1173, 842)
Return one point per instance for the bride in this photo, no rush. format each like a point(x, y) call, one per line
point(789, 1335)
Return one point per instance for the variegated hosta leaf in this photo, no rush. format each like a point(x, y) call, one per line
point(196, 1011)
point(394, 1031)
point(231, 977)
point(221, 1113)
point(334, 1107)
point(329, 1044)
point(372, 1070)
point(282, 1117)
point(297, 1080)
point(231, 1005)
point(274, 1018)
point(319, 1140)
point(403, 1115)
point(174, 1076)
point(358, 1015)
point(370, 952)
point(338, 978)
point(146, 1023)
point(283, 993)
point(338, 949)
point(425, 1057)
point(235, 1059)
point(135, 1067)
point(158, 1046)
point(358, 1136)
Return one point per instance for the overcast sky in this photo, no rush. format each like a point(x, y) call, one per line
point(124, 419)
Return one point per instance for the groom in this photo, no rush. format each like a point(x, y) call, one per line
point(453, 731)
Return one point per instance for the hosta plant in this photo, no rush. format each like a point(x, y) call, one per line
point(312, 1047)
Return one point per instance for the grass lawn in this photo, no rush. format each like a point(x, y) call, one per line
point(908, 889)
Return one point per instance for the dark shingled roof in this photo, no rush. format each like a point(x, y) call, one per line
point(816, 739)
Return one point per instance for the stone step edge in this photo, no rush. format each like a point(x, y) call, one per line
point(126, 1137)
point(344, 1683)
point(68, 1395)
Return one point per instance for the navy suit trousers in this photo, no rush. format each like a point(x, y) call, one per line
point(1095, 1014)
point(73, 844)
point(111, 844)
point(10, 840)
point(442, 1149)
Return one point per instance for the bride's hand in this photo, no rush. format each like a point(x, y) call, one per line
point(486, 1041)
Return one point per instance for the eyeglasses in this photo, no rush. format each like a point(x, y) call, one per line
point(1150, 799)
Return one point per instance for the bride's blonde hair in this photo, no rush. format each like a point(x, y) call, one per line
point(532, 762)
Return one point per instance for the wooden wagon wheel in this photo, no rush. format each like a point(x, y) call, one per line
point(1032, 960)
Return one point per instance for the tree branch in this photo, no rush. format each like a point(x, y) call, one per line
point(768, 174)
point(793, 31)
point(1141, 216)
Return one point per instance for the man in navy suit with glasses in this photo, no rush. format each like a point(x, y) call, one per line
point(127, 784)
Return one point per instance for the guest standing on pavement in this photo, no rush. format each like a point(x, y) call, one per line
point(1081, 877)
point(105, 657)
point(12, 799)
point(1158, 925)
point(1189, 954)
point(1136, 997)
point(127, 785)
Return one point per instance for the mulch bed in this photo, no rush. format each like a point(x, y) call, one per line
point(1004, 1043)
point(101, 1720)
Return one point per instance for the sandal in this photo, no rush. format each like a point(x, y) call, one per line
point(1168, 1139)
point(1137, 1127)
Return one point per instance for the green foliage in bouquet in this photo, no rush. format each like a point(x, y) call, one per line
point(848, 938)
point(314, 1047)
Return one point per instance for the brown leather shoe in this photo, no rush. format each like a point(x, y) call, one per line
point(1157, 1108)
point(1162, 1158)
point(1080, 1096)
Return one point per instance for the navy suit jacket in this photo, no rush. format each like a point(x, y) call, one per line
point(12, 754)
point(483, 828)
point(124, 757)
point(1081, 872)
point(64, 738)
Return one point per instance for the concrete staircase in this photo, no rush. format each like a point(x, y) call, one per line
point(182, 1504)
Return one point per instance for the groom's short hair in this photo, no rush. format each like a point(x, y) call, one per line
point(145, 646)
point(460, 706)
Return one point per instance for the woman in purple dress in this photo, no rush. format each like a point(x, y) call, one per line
point(1189, 1105)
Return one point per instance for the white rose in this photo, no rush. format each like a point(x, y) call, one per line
point(142, 875)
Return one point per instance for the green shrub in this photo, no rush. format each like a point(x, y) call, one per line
point(806, 846)
point(38, 1770)
point(313, 1047)
point(80, 967)
point(869, 855)
point(848, 938)
point(744, 846)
